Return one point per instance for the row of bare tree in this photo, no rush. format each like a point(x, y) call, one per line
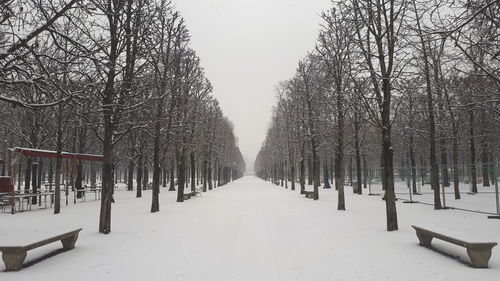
point(411, 80)
point(117, 77)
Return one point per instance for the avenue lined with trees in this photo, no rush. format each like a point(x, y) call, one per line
point(116, 78)
point(403, 90)
point(109, 123)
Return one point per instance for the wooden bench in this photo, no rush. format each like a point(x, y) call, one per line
point(197, 191)
point(310, 194)
point(13, 256)
point(190, 194)
point(479, 253)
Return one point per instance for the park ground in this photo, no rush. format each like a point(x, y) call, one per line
point(252, 230)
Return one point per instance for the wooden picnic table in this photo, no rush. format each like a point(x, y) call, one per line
point(6, 200)
point(21, 197)
point(45, 194)
point(96, 191)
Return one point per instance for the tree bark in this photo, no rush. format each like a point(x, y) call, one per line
point(456, 179)
point(472, 151)
point(387, 157)
point(34, 181)
point(139, 177)
point(339, 151)
point(27, 174)
point(181, 175)
point(210, 174)
point(193, 171)
point(302, 168)
point(326, 176)
point(413, 165)
point(357, 152)
point(432, 124)
point(172, 176)
point(130, 176)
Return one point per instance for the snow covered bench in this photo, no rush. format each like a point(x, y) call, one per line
point(190, 194)
point(479, 253)
point(197, 191)
point(310, 194)
point(13, 256)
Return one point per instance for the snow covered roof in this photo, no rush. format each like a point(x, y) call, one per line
point(53, 154)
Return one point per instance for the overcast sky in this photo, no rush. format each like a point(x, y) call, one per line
point(246, 48)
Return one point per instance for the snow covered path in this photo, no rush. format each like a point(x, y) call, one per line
point(250, 230)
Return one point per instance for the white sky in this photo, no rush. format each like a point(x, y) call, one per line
point(246, 48)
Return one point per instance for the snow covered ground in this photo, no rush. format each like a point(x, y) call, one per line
point(250, 230)
point(483, 201)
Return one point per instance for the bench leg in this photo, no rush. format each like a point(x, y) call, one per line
point(425, 240)
point(69, 243)
point(479, 258)
point(14, 261)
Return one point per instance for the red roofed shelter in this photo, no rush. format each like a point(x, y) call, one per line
point(73, 157)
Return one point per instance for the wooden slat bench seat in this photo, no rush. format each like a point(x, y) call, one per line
point(190, 194)
point(310, 194)
point(14, 256)
point(479, 253)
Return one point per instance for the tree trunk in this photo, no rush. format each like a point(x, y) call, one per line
point(387, 159)
point(358, 171)
point(472, 151)
point(423, 170)
point(172, 176)
point(339, 153)
point(302, 168)
point(310, 174)
point(41, 174)
point(34, 181)
point(181, 176)
point(27, 174)
point(350, 171)
point(357, 152)
point(155, 200)
point(130, 176)
point(57, 192)
point(432, 138)
point(432, 124)
point(365, 173)
point(326, 176)
point(145, 177)
point(193, 172)
point(209, 175)
point(485, 160)
point(315, 169)
point(51, 174)
point(456, 179)
point(219, 183)
point(107, 169)
point(93, 175)
point(164, 174)
point(492, 167)
point(139, 177)
point(413, 165)
point(205, 175)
